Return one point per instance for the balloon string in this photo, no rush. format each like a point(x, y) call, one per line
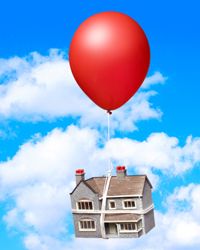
point(106, 183)
point(108, 139)
point(108, 127)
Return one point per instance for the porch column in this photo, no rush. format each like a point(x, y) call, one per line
point(118, 228)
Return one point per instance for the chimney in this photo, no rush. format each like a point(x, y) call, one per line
point(80, 175)
point(121, 171)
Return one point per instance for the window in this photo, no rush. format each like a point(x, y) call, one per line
point(85, 205)
point(87, 225)
point(127, 227)
point(112, 205)
point(129, 204)
point(139, 224)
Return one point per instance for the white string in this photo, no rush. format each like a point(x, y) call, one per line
point(108, 126)
point(109, 171)
point(110, 167)
point(106, 183)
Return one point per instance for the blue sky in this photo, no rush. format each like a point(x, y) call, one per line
point(45, 120)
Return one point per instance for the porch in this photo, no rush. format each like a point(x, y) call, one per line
point(123, 226)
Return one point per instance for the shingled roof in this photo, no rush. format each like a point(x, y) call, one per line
point(128, 185)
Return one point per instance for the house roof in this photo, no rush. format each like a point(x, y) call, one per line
point(85, 182)
point(122, 217)
point(128, 185)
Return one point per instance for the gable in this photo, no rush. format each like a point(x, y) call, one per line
point(147, 195)
point(82, 191)
point(147, 186)
point(80, 184)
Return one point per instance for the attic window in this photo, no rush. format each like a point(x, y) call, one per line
point(87, 225)
point(129, 204)
point(85, 205)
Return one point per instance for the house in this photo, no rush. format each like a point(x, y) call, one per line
point(118, 206)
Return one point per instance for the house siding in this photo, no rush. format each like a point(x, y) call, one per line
point(131, 235)
point(147, 196)
point(128, 235)
point(84, 192)
point(149, 221)
point(87, 234)
point(119, 203)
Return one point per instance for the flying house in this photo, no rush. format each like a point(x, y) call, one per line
point(118, 206)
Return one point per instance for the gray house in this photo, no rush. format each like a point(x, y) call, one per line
point(112, 207)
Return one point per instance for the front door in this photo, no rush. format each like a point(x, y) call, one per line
point(112, 228)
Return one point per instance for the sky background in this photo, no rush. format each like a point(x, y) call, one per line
point(48, 127)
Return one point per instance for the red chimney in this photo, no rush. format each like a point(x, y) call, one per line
point(121, 171)
point(80, 175)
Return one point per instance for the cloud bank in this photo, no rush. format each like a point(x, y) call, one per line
point(40, 176)
point(36, 182)
point(41, 88)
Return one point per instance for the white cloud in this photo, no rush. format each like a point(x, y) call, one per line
point(175, 229)
point(184, 209)
point(41, 206)
point(38, 160)
point(138, 109)
point(44, 242)
point(157, 77)
point(158, 151)
point(41, 174)
point(43, 89)
point(40, 87)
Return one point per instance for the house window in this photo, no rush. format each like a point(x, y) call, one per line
point(112, 205)
point(129, 204)
point(87, 225)
point(85, 205)
point(127, 227)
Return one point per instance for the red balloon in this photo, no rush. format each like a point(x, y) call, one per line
point(109, 57)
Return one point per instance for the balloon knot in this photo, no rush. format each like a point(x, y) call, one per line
point(109, 112)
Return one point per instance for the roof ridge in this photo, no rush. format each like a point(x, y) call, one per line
point(133, 184)
point(95, 177)
point(135, 175)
